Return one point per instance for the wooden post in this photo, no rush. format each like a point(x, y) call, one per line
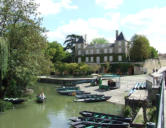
point(158, 102)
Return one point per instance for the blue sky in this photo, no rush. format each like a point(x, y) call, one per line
point(100, 18)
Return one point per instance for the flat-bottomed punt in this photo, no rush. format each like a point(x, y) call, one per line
point(14, 100)
point(105, 116)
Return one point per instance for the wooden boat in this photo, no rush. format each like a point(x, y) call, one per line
point(97, 99)
point(67, 88)
point(105, 116)
point(98, 120)
point(90, 100)
point(14, 100)
point(89, 124)
point(88, 96)
point(40, 100)
point(70, 92)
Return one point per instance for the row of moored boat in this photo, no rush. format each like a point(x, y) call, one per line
point(82, 96)
point(99, 120)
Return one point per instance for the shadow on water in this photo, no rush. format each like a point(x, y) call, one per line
point(52, 114)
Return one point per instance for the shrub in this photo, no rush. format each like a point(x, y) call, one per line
point(127, 111)
point(5, 105)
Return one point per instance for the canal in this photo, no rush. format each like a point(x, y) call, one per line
point(55, 113)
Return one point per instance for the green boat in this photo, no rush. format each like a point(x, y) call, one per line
point(105, 116)
point(67, 88)
point(83, 96)
point(70, 92)
point(89, 124)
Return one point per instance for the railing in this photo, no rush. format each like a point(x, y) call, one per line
point(160, 109)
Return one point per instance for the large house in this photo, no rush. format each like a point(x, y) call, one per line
point(102, 53)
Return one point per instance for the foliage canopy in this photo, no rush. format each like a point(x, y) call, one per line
point(99, 41)
point(140, 49)
point(20, 26)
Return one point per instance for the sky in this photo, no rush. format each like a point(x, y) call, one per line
point(101, 18)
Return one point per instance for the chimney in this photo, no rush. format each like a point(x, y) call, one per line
point(116, 34)
point(85, 38)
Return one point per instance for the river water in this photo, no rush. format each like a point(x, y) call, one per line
point(55, 113)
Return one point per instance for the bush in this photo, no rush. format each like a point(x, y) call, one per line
point(121, 67)
point(127, 111)
point(152, 114)
point(5, 105)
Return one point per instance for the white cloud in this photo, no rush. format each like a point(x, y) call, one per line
point(108, 4)
point(50, 7)
point(93, 27)
point(151, 23)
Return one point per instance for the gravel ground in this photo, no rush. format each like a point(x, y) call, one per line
point(126, 84)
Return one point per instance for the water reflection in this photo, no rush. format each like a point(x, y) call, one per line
point(52, 114)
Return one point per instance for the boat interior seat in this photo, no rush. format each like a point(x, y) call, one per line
point(90, 127)
point(103, 117)
point(96, 116)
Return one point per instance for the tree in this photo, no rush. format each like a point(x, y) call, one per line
point(3, 61)
point(56, 52)
point(70, 42)
point(153, 52)
point(20, 25)
point(99, 41)
point(140, 49)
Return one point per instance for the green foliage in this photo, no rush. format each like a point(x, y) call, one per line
point(5, 105)
point(152, 112)
point(140, 49)
point(153, 52)
point(127, 111)
point(70, 42)
point(75, 68)
point(27, 57)
point(55, 52)
point(3, 58)
point(122, 67)
point(99, 41)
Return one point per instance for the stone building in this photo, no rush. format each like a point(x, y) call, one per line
point(102, 53)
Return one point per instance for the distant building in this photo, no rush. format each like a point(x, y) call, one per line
point(102, 53)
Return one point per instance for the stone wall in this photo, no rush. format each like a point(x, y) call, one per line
point(151, 64)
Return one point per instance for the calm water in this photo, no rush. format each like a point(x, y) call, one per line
point(52, 114)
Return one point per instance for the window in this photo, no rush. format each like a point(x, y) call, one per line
point(87, 59)
point(105, 50)
point(79, 52)
point(91, 51)
point(79, 60)
point(120, 58)
point(110, 50)
point(91, 59)
point(98, 59)
point(87, 52)
point(105, 58)
point(79, 45)
point(97, 51)
point(120, 43)
point(120, 50)
point(111, 58)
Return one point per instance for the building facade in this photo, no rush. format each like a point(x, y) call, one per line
point(102, 53)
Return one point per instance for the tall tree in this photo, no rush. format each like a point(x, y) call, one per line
point(70, 42)
point(20, 25)
point(153, 52)
point(140, 49)
point(99, 41)
point(56, 52)
point(3, 61)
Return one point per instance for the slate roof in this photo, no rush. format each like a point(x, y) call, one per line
point(120, 37)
